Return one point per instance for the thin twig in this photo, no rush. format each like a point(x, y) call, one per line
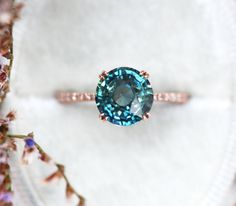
point(59, 167)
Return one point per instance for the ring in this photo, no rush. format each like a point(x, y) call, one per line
point(124, 96)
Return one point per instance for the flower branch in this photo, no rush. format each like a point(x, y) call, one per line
point(31, 149)
point(58, 174)
point(9, 12)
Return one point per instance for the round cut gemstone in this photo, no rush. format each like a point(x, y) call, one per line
point(124, 96)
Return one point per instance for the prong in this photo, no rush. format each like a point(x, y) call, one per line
point(102, 117)
point(146, 116)
point(103, 75)
point(144, 74)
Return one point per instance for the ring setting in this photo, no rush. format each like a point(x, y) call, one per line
point(124, 96)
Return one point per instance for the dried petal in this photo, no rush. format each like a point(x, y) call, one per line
point(3, 122)
point(69, 191)
point(9, 11)
point(7, 55)
point(3, 156)
point(2, 138)
point(54, 176)
point(28, 155)
point(3, 76)
point(11, 144)
point(45, 157)
point(11, 116)
point(4, 169)
point(81, 202)
point(17, 9)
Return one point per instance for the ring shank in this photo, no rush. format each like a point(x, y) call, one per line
point(77, 97)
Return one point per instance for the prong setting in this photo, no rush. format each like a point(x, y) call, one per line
point(144, 74)
point(102, 117)
point(103, 75)
point(146, 116)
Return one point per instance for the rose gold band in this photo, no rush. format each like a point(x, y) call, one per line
point(76, 97)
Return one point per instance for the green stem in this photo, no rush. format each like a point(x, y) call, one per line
point(23, 137)
point(16, 136)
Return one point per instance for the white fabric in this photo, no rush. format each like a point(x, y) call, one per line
point(182, 156)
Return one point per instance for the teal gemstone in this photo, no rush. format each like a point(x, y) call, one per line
point(123, 96)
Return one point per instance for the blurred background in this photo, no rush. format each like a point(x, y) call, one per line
point(184, 155)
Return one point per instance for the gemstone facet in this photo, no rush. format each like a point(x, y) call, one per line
point(124, 96)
